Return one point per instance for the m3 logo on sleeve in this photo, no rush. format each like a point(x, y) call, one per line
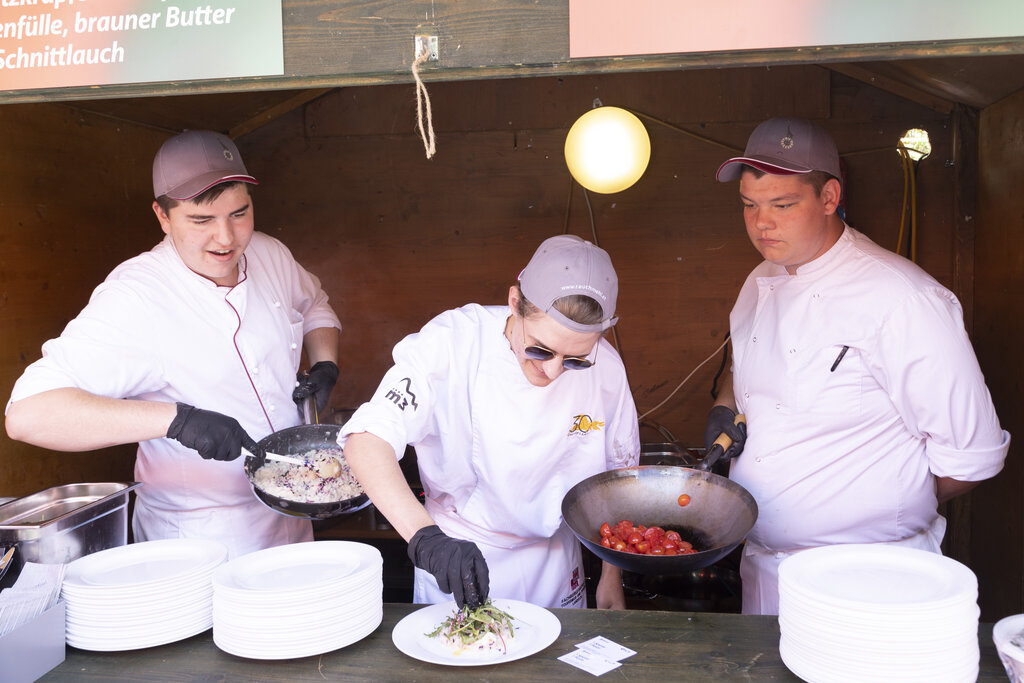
point(402, 397)
point(583, 424)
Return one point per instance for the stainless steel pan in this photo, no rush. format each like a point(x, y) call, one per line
point(298, 441)
point(717, 519)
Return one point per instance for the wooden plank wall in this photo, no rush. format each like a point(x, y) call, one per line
point(997, 541)
point(74, 202)
point(397, 238)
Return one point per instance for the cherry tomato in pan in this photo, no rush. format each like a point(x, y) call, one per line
point(684, 500)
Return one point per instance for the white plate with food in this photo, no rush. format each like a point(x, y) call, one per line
point(532, 629)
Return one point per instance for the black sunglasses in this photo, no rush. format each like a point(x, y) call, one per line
point(541, 353)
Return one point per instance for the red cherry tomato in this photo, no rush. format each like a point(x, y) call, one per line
point(653, 540)
point(684, 500)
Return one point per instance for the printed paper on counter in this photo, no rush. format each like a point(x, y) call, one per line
point(608, 649)
point(589, 661)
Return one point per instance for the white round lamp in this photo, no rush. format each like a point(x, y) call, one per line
point(607, 149)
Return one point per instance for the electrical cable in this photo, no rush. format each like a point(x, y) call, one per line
point(687, 378)
point(721, 368)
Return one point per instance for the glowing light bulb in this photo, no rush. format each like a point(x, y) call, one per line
point(607, 149)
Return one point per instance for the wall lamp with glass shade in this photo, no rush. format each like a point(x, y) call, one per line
point(607, 149)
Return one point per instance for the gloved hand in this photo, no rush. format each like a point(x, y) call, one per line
point(458, 566)
point(722, 420)
point(318, 382)
point(215, 436)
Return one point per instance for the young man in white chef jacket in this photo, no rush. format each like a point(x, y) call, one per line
point(190, 349)
point(507, 407)
point(864, 402)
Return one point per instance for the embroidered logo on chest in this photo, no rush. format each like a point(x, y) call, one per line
point(583, 424)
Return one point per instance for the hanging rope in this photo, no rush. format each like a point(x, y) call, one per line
point(423, 104)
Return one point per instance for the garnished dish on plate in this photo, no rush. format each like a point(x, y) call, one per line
point(530, 629)
point(307, 483)
point(483, 629)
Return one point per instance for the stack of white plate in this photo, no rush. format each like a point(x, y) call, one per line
point(878, 613)
point(298, 600)
point(141, 595)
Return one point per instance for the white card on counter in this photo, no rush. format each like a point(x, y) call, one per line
point(589, 661)
point(608, 649)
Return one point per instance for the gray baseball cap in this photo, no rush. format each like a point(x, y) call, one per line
point(785, 146)
point(565, 265)
point(194, 161)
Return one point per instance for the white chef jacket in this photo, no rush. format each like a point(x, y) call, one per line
point(496, 454)
point(155, 330)
point(850, 453)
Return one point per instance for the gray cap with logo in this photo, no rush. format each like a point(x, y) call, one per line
point(786, 146)
point(194, 161)
point(567, 265)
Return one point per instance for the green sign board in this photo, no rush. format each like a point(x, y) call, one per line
point(62, 43)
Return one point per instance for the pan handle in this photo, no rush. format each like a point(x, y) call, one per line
point(720, 446)
point(307, 411)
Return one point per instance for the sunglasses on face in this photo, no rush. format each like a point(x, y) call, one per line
point(542, 353)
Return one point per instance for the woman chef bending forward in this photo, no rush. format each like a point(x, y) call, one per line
point(507, 408)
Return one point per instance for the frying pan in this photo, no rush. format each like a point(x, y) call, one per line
point(298, 441)
point(717, 519)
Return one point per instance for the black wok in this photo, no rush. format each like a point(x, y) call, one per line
point(717, 519)
point(298, 441)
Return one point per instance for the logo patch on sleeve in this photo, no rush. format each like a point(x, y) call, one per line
point(402, 396)
point(583, 423)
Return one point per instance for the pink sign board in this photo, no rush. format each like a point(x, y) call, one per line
point(605, 28)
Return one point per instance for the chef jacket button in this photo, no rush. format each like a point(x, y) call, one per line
point(278, 304)
point(294, 345)
point(746, 395)
point(771, 288)
point(792, 350)
point(754, 340)
point(255, 371)
point(271, 408)
point(778, 406)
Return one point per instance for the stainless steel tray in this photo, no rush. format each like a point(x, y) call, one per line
point(63, 523)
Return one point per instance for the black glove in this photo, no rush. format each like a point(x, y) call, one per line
point(215, 436)
point(458, 566)
point(318, 382)
point(723, 420)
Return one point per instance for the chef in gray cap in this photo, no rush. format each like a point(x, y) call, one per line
point(864, 402)
point(507, 407)
point(190, 349)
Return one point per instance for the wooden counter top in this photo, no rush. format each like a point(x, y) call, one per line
point(671, 646)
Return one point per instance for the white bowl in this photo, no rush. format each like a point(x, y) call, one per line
point(1008, 636)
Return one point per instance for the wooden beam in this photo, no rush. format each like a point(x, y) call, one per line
point(275, 112)
point(865, 75)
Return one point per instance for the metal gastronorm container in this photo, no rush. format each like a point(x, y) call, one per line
point(63, 523)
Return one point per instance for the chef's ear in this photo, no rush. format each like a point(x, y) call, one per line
point(831, 193)
point(513, 298)
point(161, 215)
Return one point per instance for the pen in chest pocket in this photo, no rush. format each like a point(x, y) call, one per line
point(839, 358)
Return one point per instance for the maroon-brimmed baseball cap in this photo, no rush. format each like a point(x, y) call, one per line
point(565, 265)
point(194, 161)
point(786, 146)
